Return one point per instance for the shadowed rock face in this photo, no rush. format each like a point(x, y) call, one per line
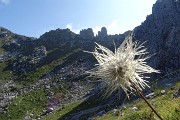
point(161, 30)
point(87, 33)
point(103, 32)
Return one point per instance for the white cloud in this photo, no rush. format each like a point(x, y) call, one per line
point(4, 1)
point(71, 27)
point(113, 27)
point(113, 24)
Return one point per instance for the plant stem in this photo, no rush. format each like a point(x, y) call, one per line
point(140, 94)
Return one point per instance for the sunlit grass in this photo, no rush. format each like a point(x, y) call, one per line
point(33, 102)
point(166, 105)
point(59, 114)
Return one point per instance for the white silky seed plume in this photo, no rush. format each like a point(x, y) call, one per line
point(124, 68)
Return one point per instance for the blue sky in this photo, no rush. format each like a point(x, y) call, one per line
point(34, 17)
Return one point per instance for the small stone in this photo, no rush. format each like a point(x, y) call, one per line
point(134, 109)
point(27, 117)
point(121, 114)
point(4, 105)
point(114, 111)
point(163, 92)
point(31, 114)
point(49, 110)
point(47, 87)
point(150, 95)
point(44, 111)
point(176, 94)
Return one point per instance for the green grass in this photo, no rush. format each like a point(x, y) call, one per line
point(2, 51)
point(5, 74)
point(33, 102)
point(33, 76)
point(61, 113)
point(73, 108)
point(165, 105)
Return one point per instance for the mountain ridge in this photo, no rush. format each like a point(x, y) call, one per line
point(161, 30)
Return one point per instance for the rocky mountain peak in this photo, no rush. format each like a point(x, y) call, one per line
point(87, 33)
point(161, 30)
point(167, 8)
point(103, 32)
point(159, 0)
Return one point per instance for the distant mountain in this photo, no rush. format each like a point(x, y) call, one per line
point(51, 47)
point(161, 30)
point(56, 62)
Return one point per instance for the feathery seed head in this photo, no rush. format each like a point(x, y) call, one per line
point(124, 68)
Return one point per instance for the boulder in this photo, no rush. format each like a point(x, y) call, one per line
point(49, 110)
point(134, 109)
point(163, 92)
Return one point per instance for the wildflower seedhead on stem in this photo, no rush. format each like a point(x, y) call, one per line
point(125, 68)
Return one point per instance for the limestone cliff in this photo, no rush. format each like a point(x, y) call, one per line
point(161, 30)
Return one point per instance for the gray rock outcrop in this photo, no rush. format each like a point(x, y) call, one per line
point(87, 33)
point(161, 30)
point(103, 33)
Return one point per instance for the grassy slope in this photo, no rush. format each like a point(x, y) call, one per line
point(35, 101)
point(2, 51)
point(73, 108)
point(32, 102)
point(4, 74)
point(166, 105)
point(61, 113)
point(36, 75)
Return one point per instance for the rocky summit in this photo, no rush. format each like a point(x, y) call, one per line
point(161, 31)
